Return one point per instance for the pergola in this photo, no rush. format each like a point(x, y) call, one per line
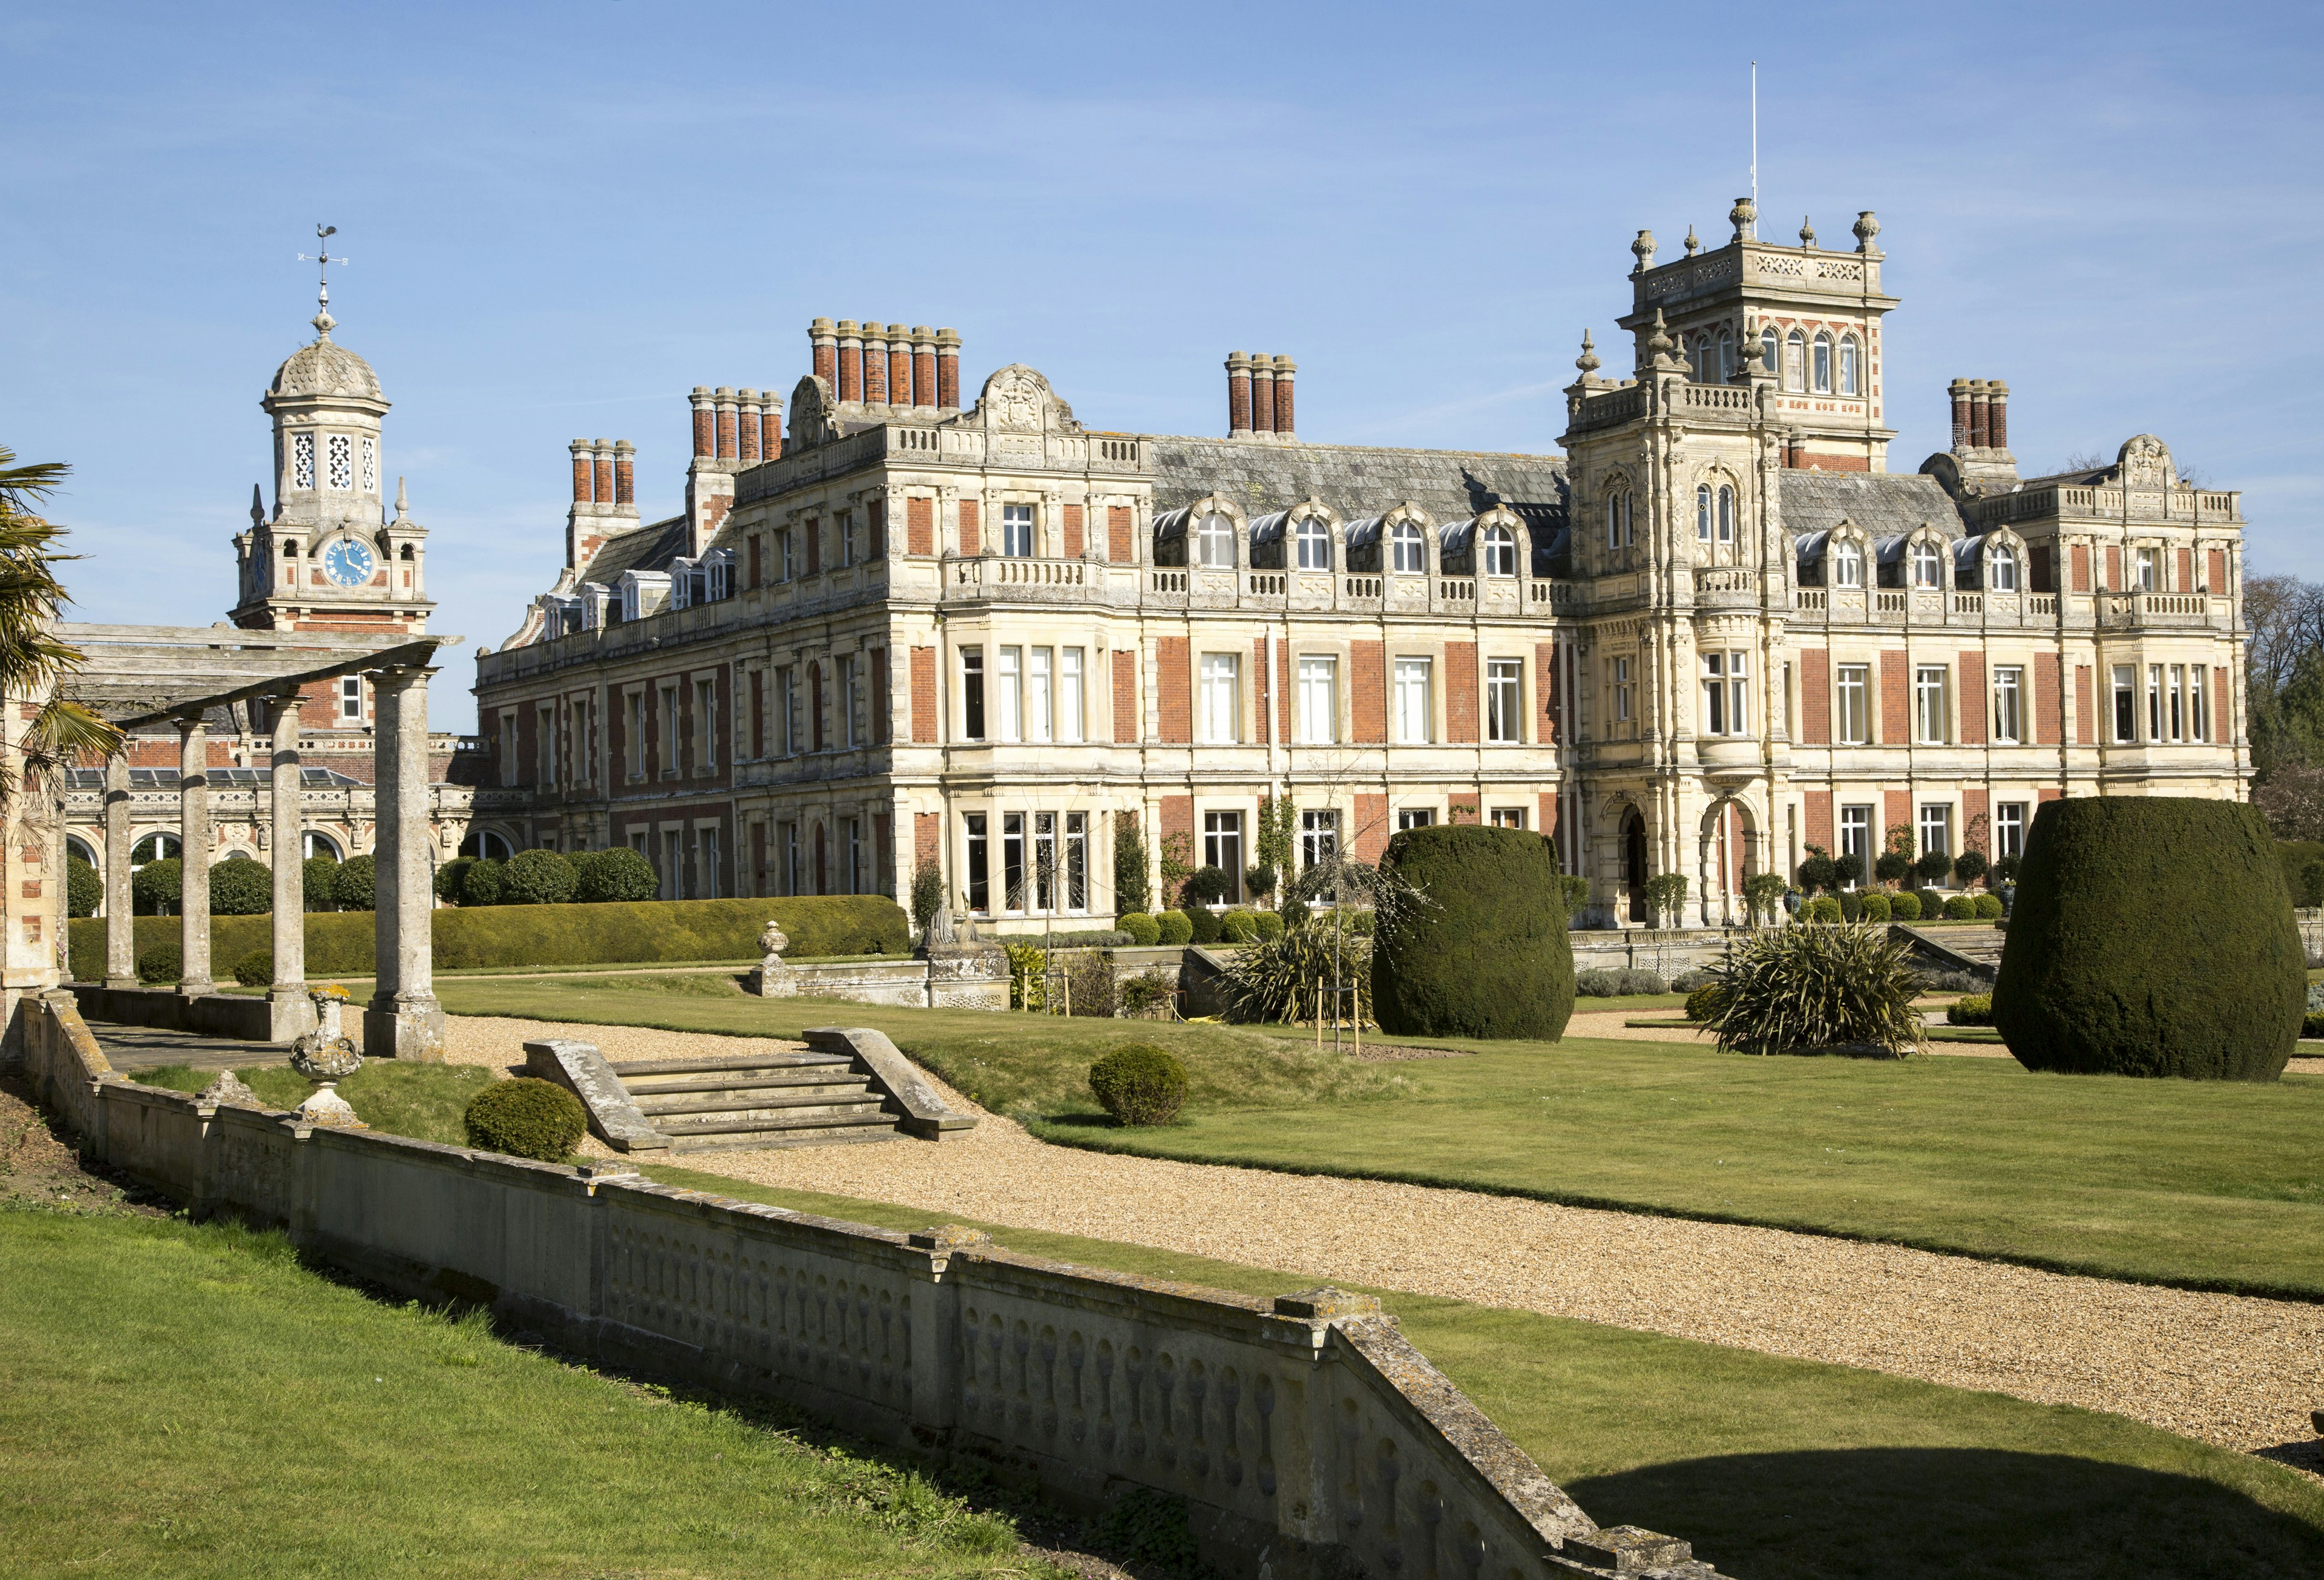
point(147, 674)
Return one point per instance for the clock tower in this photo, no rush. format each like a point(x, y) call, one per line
point(329, 557)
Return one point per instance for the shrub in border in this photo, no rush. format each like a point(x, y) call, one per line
point(242, 887)
point(538, 877)
point(526, 1117)
point(1140, 1084)
point(1142, 929)
point(1177, 927)
point(255, 969)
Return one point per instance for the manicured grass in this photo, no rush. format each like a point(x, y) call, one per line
point(422, 1101)
point(190, 1401)
point(1779, 1468)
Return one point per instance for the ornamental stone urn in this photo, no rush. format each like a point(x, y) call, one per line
point(325, 1054)
point(772, 977)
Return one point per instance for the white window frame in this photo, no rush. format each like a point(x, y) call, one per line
point(1414, 700)
point(1407, 548)
point(1936, 818)
point(2004, 573)
point(706, 724)
point(2146, 570)
point(1221, 682)
point(1703, 512)
point(1215, 541)
point(1928, 565)
point(1017, 531)
point(1041, 669)
point(1852, 705)
point(1856, 835)
point(1313, 540)
point(1009, 682)
point(1070, 704)
point(2008, 705)
point(1504, 701)
point(1820, 373)
point(1319, 836)
point(1501, 556)
point(351, 698)
point(1624, 691)
point(1726, 693)
point(1795, 372)
point(2126, 705)
point(1847, 564)
point(2009, 829)
point(1931, 717)
point(1726, 513)
point(1319, 700)
point(1849, 365)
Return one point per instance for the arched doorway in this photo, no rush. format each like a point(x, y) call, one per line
point(1634, 864)
point(1728, 853)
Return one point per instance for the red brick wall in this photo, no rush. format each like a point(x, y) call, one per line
point(1896, 700)
point(1817, 460)
point(650, 717)
point(1371, 830)
point(1368, 686)
point(1545, 819)
point(1176, 681)
point(880, 703)
point(1284, 699)
point(924, 696)
point(1117, 530)
point(1075, 542)
point(883, 854)
point(2186, 583)
point(2218, 570)
point(1460, 693)
point(2082, 563)
point(1545, 691)
point(2223, 721)
point(1895, 811)
point(972, 536)
point(1976, 804)
point(2085, 707)
point(1970, 704)
point(1815, 702)
point(1820, 830)
point(2049, 793)
point(2049, 700)
point(919, 526)
point(1464, 812)
point(2114, 566)
point(1262, 682)
point(815, 707)
point(927, 837)
point(1178, 819)
point(1126, 721)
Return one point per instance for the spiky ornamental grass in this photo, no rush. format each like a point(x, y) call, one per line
point(1288, 978)
point(1803, 989)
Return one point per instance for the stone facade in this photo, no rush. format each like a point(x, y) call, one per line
point(1714, 631)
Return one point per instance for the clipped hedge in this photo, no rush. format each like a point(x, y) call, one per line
point(2115, 963)
point(1483, 951)
point(341, 943)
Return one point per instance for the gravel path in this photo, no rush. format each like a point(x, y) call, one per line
point(2231, 1370)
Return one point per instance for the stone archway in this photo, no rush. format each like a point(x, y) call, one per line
point(1729, 848)
point(1636, 867)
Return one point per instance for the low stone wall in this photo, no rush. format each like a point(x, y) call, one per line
point(2311, 933)
point(1306, 1435)
point(964, 981)
point(249, 1017)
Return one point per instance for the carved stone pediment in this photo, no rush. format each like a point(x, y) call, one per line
point(2144, 462)
point(1018, 400)
point(813, 413)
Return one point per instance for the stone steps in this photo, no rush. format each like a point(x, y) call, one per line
point(755, 1100)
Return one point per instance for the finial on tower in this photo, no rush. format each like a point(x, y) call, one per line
point(403, 511)
point(1660, 347)
point(323, 321)
point(1866, 227)
point(1807, 233)
point(1693, 242)
point(1644, 246)
point(257, 507)
point(1588, 361)
point(1744, 217)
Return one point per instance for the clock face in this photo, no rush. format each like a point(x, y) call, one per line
point(348, 563)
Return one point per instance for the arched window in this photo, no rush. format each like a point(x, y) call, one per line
point(1615, 504)
point(1214, 542)
point(1823, 366)
point(1501, 551)
point(2004, 571)
point(1767, 353)
point(1795, 351)
point(1409, 558)
point(80, 850)
point(320, 845)
point(1848, 365)
point(1726, 513)
point(1703, 512)
point(1926, 563)
point(154, 847)
point(1726, 356)
point(1846, 565)
point(1314, 544)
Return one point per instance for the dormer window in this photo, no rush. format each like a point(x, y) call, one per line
point(1314, 544)
point(1822, 369)
point(303, 460)
point(1848, 382)
point(1215, 541)
point(1016, 531)
point(1926, 563)
point(2004, 571)
point(1501, 551)
point(1410, 554)
point(343, 461)
point(1846, 565)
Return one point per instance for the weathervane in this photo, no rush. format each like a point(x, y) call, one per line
point(322, 259)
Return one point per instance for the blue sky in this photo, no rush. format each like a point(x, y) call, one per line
point(564, 218)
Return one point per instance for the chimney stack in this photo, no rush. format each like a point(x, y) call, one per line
point(704, 422)
point(581, 472)
point(771, 430)
point(823, 343)
point(850, 363)
point(1285, 368)
point(726, 412)
point(1262, 392)
point(1959, 391)
point(603, 449)
point(1979, 415)
point(1238, 394)
point(948, 370)
point(1997, 421)
point(625, 477)
point(875, 363)
point(924, 367)
point(746, 434)
point(899, 365)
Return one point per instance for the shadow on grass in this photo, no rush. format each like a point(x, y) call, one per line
point(1955, 1513)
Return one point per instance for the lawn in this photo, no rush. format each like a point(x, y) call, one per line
point(2209, 1185)
point(190, 1401)
point(1779, 1468)
point(424, 1102)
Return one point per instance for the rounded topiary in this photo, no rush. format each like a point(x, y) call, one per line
point(1875, 908)
point(1961, 908)
point(450, 875)
point(319, 877)
point(1477, 943)
point(1143, 930)
point(1206, 925)
point(84, 890)
point(482, 883)
point(1239, 926)
point(1904, 906)
point(537, 877)
point(242, 887)
point(255, 969)
point(526, 1118)
point(355, 886)
point(1140, 1084)
point(157, 886)
point(162, 963)
point(1207, 886)
point(2116, 964)
point(1269, 923)
point(616, 876)
point(1986, 907)
point(1176, 928)
point(1703, 1003)
point(1824, 908)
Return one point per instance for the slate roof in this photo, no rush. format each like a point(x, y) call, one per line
point(646, 548)
point(1885, 504)
point(1359, 480)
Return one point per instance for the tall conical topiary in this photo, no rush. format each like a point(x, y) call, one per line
point(1472, 938)
point(2151, 935)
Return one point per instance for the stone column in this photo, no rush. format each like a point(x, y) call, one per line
point(120, 920)
point(403, 1020)
point(194, 852)
point(292, 1013)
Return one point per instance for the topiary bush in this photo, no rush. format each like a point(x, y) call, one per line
point(1970, 865)
point(1905, 907)
point(1177, 928)
point(2117, 964)
point(1933, 866)
point(619, 876)
point(450, 876)
point(242, 887)
point(1875, 908)
point(255, 969)
point(156, 888)
point(537, 877)
point(1207, 886)
point(1479, 947)
point(1851, 906)
point(1975, 1008)
point(161, 963)
point(1961, 908)
point(318, 876)
point(483, 883)
point(1703, 1003)
point(1239, 926)
point(1140, 1084)
point(1813, 990)
point(1205, 923)
point(1824, 908)
point(526, 1118)
point(1269, 924)
point(84, 890)
point(354, 886)
point(1142, 929)
point(1985, 907)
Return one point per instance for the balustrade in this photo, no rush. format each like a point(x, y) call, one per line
point(1456, 590)
point(1814, 598)
point(1264, 583)
point(1360, 586)
point(1969, 603)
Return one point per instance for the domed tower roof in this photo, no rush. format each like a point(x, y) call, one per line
point(323, 367)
